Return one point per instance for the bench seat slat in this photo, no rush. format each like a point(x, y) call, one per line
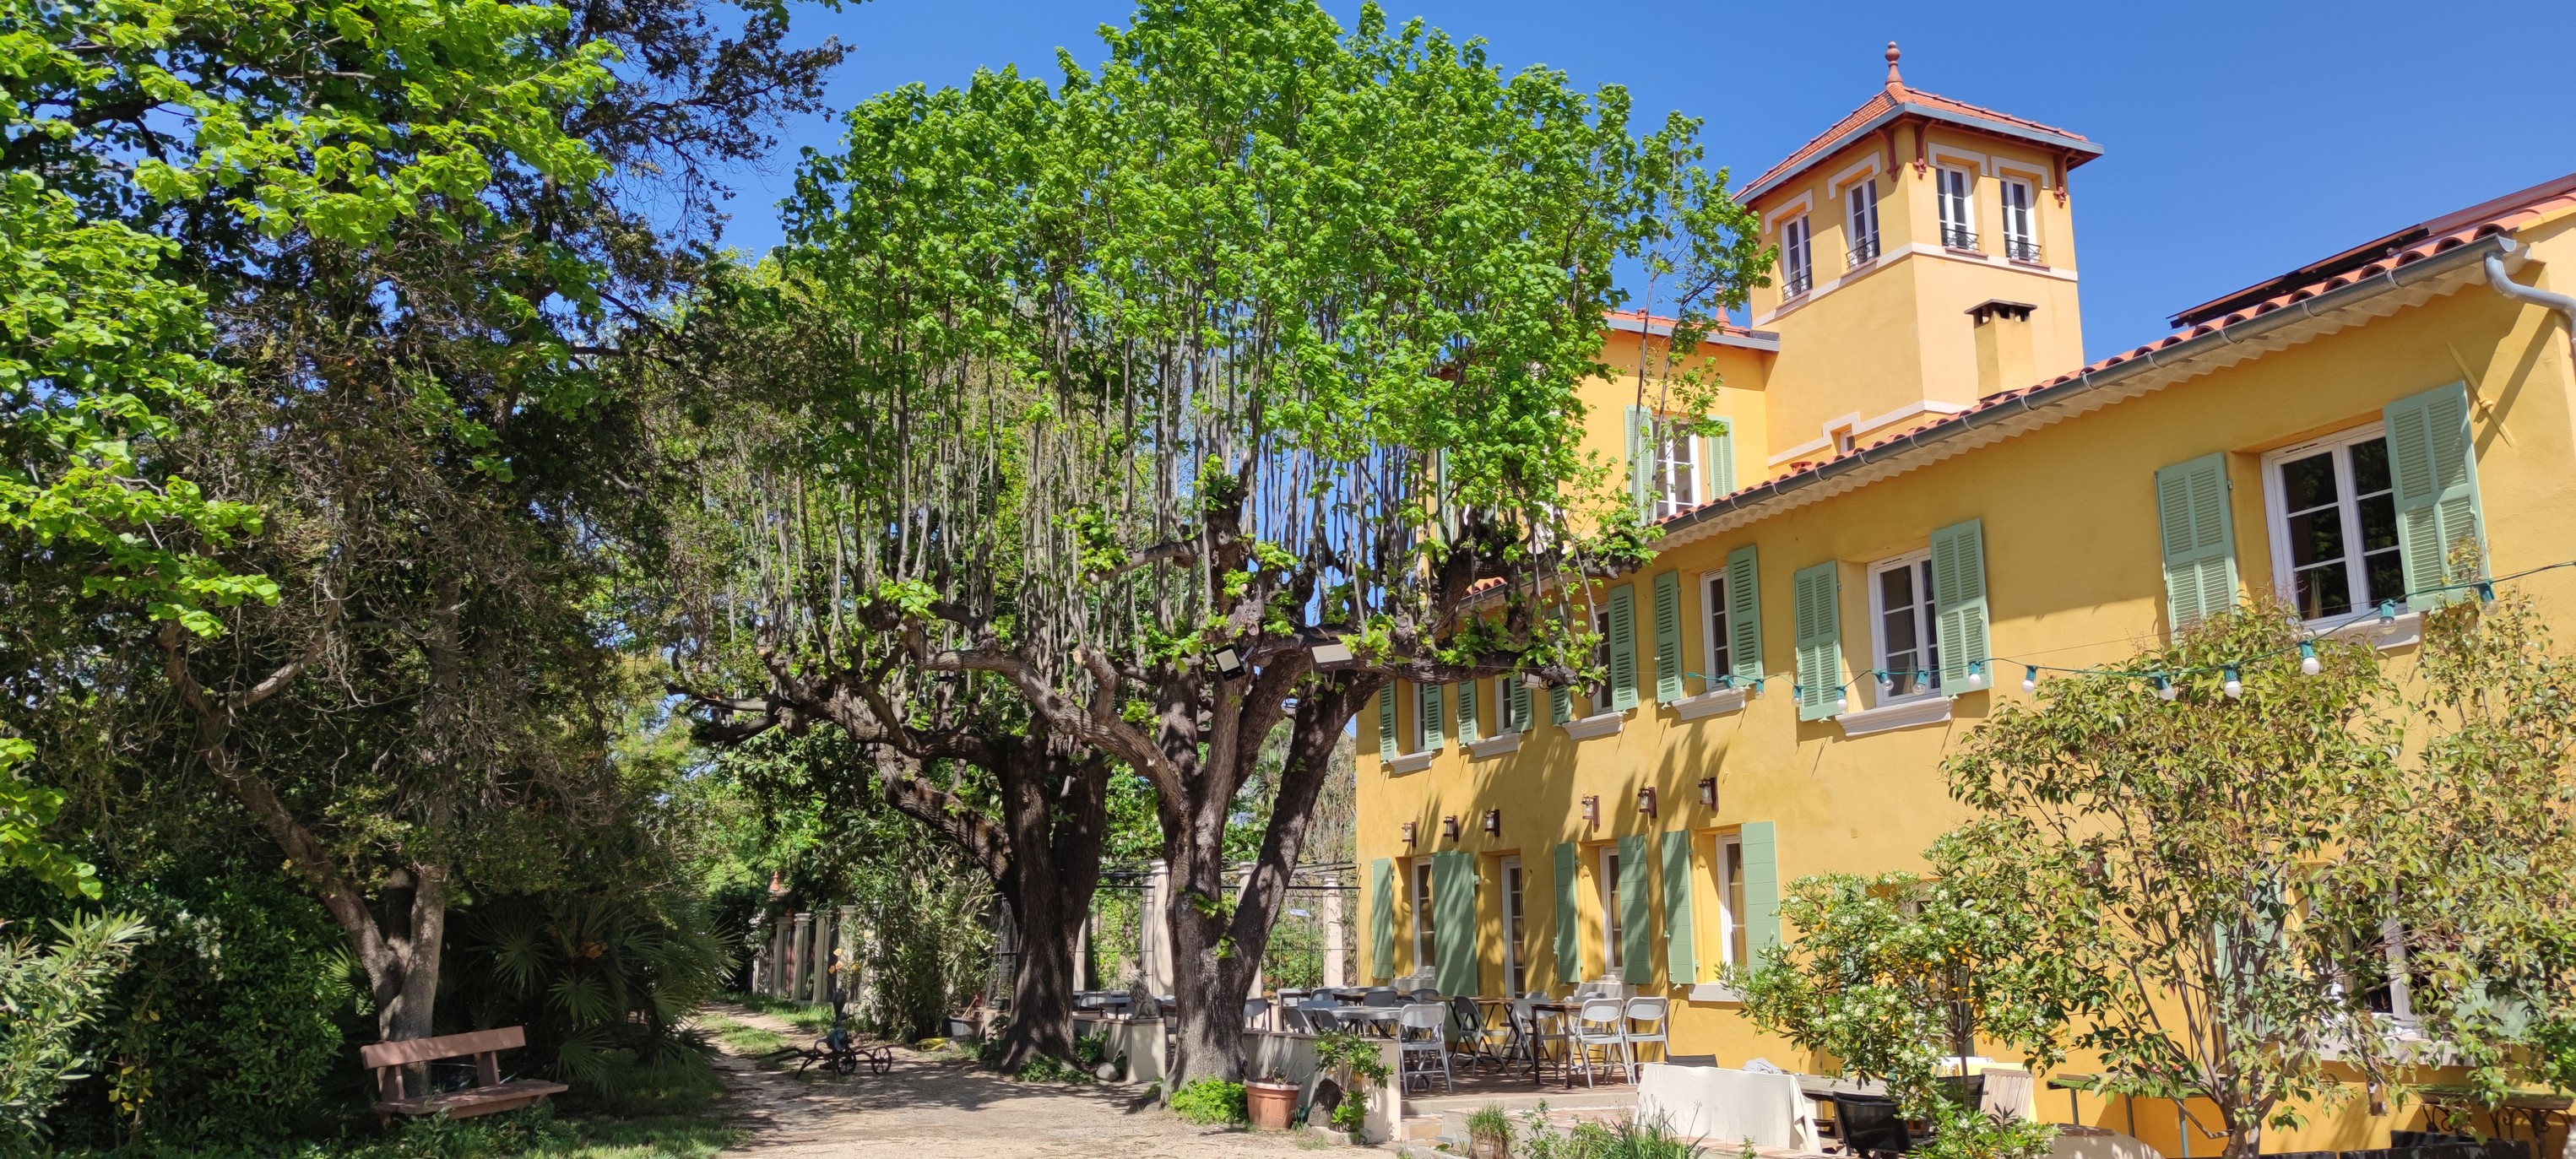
point(475, 1100)
point(401, 1052)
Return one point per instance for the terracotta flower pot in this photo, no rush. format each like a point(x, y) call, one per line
point(1270, 1104)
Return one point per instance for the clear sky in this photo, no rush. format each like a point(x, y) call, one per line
point(2241, 139)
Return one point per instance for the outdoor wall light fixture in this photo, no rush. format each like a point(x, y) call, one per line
point(1708, 791)
point(1646, 802)
point(1592, 812)
point(1449, 827)
point(1408, 833)
point(1229, 663)
point(1493, 822)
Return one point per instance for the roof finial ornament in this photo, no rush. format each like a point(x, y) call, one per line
point(1895, 83)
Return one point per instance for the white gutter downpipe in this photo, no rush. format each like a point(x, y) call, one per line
point(2533, 295)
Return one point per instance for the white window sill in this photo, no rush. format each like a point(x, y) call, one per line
point(1903, 714)
point(2407, 628)
point(1495, 746)
point(1597, 724)
point(1410, 762)
point(1710, 703)
point(1715, 992)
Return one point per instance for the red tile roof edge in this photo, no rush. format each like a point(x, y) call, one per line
point(1898, 98)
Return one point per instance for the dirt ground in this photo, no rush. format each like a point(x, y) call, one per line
point(932, 1109)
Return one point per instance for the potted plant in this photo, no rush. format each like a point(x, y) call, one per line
point(1489, 1133)
point(1357, 1060)
point(1270, 1100)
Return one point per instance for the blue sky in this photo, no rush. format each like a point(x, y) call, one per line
point(2241, 139)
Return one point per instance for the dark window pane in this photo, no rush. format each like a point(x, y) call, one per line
point(2316, 537)
point(2387, 577)
point(2324, 591)
point(2370, 467)
point(2378, 522)
point(2308, 482)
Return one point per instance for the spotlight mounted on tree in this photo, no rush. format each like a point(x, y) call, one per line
point(1229, 663)
point(1330, 652)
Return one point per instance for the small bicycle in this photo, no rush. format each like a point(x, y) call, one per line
point(839, 1054)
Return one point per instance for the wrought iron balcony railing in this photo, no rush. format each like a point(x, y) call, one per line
point(1796, 283)
point(1861, 254)
point(2021, 249)
point(1958, 238)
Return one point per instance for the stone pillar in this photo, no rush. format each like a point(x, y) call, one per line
point(803, 941)
point(1082, 954)
point(820, 976)
point(1334, 951)
point(782, 948)
point(1158, 898)
point(847, 981)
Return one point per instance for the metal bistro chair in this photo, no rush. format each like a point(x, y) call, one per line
point(1423, 994)
point(1256, 1012)
point(1420, 1045)
point(1648, 1013)
point(1467, 1030)
point(1381, 996)
point(1603, 1023)
point(1317, 1012)
point(1870, 1125)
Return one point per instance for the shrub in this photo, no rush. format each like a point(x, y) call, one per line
point(51, 995)
point(1212, 1101)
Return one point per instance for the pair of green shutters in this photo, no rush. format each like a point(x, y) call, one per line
point(1717, 468)
point(1453, 903)
point(2433, 465)
point(1431, 725)
point(1959, 617)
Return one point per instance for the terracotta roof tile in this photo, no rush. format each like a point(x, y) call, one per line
point(1899, 94)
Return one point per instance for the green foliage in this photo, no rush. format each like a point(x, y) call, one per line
point(530, 1134)
point(1214, 1102)
point(1962, 1132)
point(51, 994)
point(1490, 1123)
point(1356, 1058)
point(1047, 1068)
point(25, 810)
point(1625, 1138)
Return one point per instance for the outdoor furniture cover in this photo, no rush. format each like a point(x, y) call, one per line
point(1726, 1107)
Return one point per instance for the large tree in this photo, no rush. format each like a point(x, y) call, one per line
point(1252, 362)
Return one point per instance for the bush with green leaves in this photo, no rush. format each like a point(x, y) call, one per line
point(1212, 1101)
point(1357, 1058)
point(51, 993)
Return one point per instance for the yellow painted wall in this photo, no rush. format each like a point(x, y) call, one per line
point(2075, 578)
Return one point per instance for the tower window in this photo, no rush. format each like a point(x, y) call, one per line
point(1860, 218)
point(1796, 275)
point(2021, 233)
point(1958, 214)
point(1676, 480)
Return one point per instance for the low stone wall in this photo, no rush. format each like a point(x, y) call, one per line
point(1290, 1056)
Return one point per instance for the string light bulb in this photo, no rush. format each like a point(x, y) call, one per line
point(2030, 677)
point(1976, 675)
point(2231, 685)
point(1886, 683)
point(1842, 703)
point(2308, 663)
point(2387, 617)
point(2165, 689)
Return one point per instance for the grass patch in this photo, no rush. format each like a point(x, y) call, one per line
point(798, 1014)
point(742, 1037)
point(531, 1134)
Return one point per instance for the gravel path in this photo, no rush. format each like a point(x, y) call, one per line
point(930, 1109)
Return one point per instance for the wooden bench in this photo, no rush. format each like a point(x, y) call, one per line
point(489, 1095)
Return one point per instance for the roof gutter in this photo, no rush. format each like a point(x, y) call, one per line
point(2531, 295)
point(2061, 393)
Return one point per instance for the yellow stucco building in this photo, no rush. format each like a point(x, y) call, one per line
point(1918, 472)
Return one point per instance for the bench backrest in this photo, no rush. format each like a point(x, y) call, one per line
point(403, 1052)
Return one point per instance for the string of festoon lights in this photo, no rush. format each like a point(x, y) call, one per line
point(2166, 681)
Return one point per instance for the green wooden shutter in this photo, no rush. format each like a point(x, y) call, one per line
point(1381, 919)
point(1569, 947)
point(1721, 458)
point(1668, 637)
point(1817, 593)
point(1681, 950)
point(1468, 726)
point(2199, 540)
point(1453, 902)
point(2435, 466)
point(1560, 705)
point(1636, 938)
point(1744, 615)
point(1435, 719)
point(1959, 602)
point(1623, 647)
point(1761, 890)
point(1641, 462)
point(1520, 703)
point(1386, 722)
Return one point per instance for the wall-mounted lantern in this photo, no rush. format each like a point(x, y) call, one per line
point(1708, 791)
point(1592, 812)
point(1408, 834)
point(1493, 822)
point(1646, 802)
point(1449, 827)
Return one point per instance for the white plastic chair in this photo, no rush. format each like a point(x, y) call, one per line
point(1649, 1013)
point(1603, 1023)
point(1421, 1044)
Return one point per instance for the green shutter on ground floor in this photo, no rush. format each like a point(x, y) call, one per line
point(1761, 890)
point(1453, 904)
point(1569, 947)
point(1381, 919)
point(1681, 947)
point(1636, 914)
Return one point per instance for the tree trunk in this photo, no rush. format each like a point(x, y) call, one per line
point(1053, 871)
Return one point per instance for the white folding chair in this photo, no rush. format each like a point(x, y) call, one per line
point(1421, 1045)
point(1603, 1023)
point(1648, 1013)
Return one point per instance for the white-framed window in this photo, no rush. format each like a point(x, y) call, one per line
point(1732, 949)
point(2395, 994)
point(2021, 230)
point(1676, 467)
point(1797, 274)
point(1610, 909)
point(1426, 941)
point(1717, 653)
point(1900, 604)
point(1958, 213)
point(1514, 927)
point(1860, 217)
point(2332, 511)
